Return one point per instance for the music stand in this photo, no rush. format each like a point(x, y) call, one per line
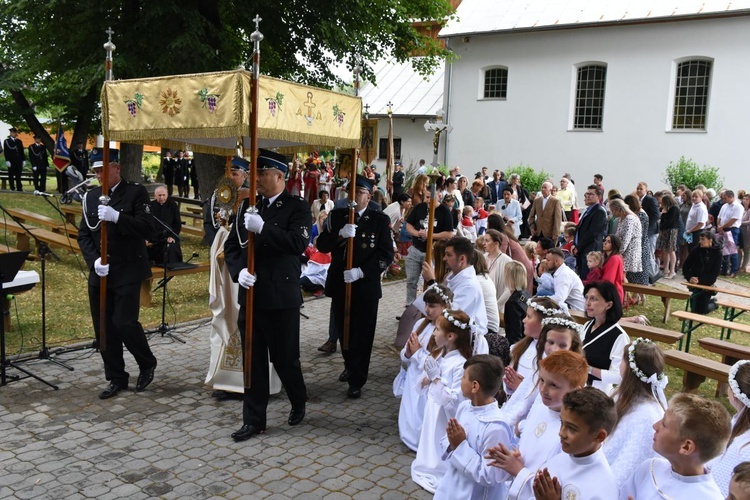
point(10, 264)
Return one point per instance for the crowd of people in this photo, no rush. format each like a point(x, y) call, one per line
point(538, 407)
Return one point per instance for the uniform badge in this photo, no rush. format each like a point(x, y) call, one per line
point(279, 203)
point(305, 233)
point(540, 429)
point(570, 492)
point(147, 208)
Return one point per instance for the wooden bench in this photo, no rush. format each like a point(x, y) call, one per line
point(72, 212)
point(23, 240)
point(56, 240)
point(158, 273)
point(696, 369)
point(191, 230)
point(691, 321)
point(732, 310)
point(4, 177)
point(26, 216)
point(730, 354)
point(7, 249)
point(666, 294)
point(654, 333)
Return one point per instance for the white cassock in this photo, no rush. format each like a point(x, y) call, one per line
point(539, 442)
point(469, 475)
point(225, 367)
point(655, 479)
point(442, 402)
point(736, 453)
point(526, 364)
point(413, 396)
point(632, 440)
point(584, 478)
point(517, 407)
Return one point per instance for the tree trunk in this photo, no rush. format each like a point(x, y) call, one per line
point(210, 169)
point(131, 160)
point(28, 112)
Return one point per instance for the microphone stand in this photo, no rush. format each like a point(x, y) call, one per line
point(164, 328)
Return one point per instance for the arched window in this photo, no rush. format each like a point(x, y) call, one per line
point(495, 83)
point(589, 98)
point(691, 88)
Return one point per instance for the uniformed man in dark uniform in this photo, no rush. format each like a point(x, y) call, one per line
point(190, 165)
point(282, 232)
point(129, 225)
point(15, 159)
point(167, 170)
point(181, 175)
point(373, 253)
point(79, 158)
point(39, 164)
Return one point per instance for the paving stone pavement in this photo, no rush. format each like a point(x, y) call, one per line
point(172, 440)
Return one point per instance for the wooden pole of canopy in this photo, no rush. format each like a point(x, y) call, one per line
point(350, 252)
point(247, 352)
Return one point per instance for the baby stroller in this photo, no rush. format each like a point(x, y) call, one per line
point(78, 190)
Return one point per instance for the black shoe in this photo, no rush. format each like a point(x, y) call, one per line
point(247, 431)
point(296, 416)
point(344, 376)
point(111, 390)
point(398, 318)
point(329, 347)
point(145, 378)
point(354, 392)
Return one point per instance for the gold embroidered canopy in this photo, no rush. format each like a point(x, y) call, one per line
point(211, 111)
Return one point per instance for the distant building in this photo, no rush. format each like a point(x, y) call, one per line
point(619, 87)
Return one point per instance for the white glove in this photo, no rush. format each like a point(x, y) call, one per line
point(254, 223)
point(246, 279)
point(101, 269)
point(108, 214)
point(23, 164)
point(348, 231)
point(7, 164)
point(33, 169)
point(432, 368)
point(353, 274)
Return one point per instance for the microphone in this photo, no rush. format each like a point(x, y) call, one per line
point(42, 193)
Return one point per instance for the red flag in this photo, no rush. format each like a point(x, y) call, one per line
point(61, 157)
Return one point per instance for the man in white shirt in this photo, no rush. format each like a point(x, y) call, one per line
point(511, 210)
point(730, 217)
point(396, 211)
point(568, 286)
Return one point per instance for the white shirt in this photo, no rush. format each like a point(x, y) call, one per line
point(655, 479)
point(584, 478)
point(317, 207)
point(722, 466)
point(513, 212)
point(698, 213)
point(731, 211)
point(394, 212)
point(468, 296)
point(568, 289)
point(469, 475)
point(490, 301)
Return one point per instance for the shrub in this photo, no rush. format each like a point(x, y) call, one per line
point(530, 178)
point(691, 174)
point(150, 166)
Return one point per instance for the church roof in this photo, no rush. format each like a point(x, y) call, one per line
point(494, 16)
point(411, 94)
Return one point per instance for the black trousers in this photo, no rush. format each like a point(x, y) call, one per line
point(364, 316)
point(14, 176)
point(123, 328)
point(275, 335)
point(39, 175)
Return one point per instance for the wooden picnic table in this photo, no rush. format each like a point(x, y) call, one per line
point(691, 321)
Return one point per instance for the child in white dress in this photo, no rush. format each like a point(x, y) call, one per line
point(559, 332)
point(693, 431)
point(580, 471)
point(523, 354)
point(454, 331)
point(476, 427)
point(559, 373)
point(737, 450)
point(640, 403)
point(409, 380)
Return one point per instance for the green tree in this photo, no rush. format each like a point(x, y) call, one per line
point(51, 56)
point(530, 178)
point(691, 174)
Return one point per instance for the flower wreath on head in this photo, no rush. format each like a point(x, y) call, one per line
point(735, 386)
point(441, 294)
point(658, 381)
point(471, 325)
point(565, 322)
point(547, 311)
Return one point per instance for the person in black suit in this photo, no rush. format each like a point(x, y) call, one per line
point(129, 224)
point(591, 229)
point(39, 163)
point(167, 169)
point(282, 231)
point(79, 158)
point(190, 166)
point(373, 253)
point(651, 207)
point(496, 186)
point(15, 159)
point(163, 244)
point(182, 175)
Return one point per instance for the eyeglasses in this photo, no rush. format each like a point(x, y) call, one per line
point(589, 194)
